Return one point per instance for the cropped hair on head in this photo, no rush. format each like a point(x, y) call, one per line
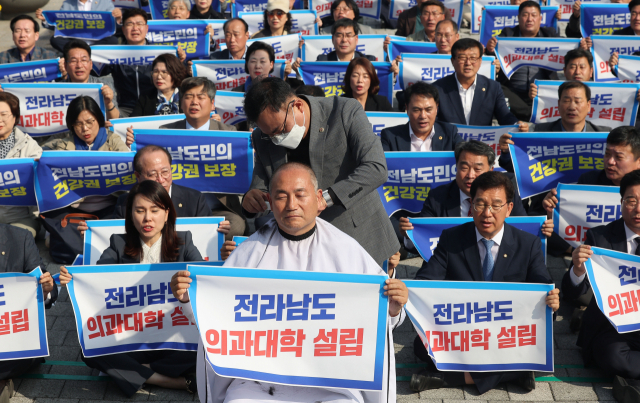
point(433, 3)
point(209, 87)
point(625, 136)
point(12, 24)
point(527, 4)
point(423, 89)
point(633, 3)
point(132, 12)
point(75, 44)
point(453, 24)
point(229, 21)
point(466, 44)
point(568, 85)
point(256, 46)
point(475, 147)
point(629, 180)
point(137, 159)
point(578, 53)
point(270, 93)
point(493, 180)
point(345, 23)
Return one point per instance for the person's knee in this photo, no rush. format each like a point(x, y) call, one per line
point(613, 358)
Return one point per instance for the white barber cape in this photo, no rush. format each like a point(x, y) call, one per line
point(327, 249)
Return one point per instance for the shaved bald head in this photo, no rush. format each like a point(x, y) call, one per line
point(295, 165)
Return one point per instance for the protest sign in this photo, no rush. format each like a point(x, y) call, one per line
point(29, 72)
point(454, 6)
point(476, 11)
point(228, 74)
point(23, 326)
point(130, 55)
point(603, 19)
point(316, 45)
point(210, 161)
point(412, 174)
point(302, 21)
point(87, 25)
point(606, 109)
point(121, 125)
point(330, 77)
point(248, 6)
point(239, 239)
point(16, 182)
point(546, 53)
point(483, 325)
point(427, 230)
point(188, 35)
point(285, 46)
point(331, 334)
point(397, 47)
point(43, 106)
point(628, 68)
point(159, 9)
point(496, 18)
point(381, 120)
point(129, 307)
point(321, 7)
point(217, 36)
point(204, 231)
point(490, 135)
point(64, 177)
point(603, 47)
point(430, 68)
point(542, 160)
point(230, 107)
point(613, 277)
point(581, 207)
point(566, 7)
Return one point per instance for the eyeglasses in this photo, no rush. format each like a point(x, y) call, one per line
point(19, 31)
point(154, 175)
point(493, 208)
point(4, 116)
point(81, 125)
point(343, 9)
point(138, 24)
point(630, 202)
point(348, 35)
point(284, 125)
point(160, 73)
point(73, 62)
point(634, 14)
point(276, 13)
point(428, 14)
point(201, 97)
point(178, 8)
point(447, 36)
point(463, 59)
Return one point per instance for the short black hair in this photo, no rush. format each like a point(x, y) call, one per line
point(477, 148)
point(433, 3)
point(345, 23)
point(229, 21)
point(349, 3)
point(311, 90)
point(424, 89)
point(269, 93)
point(188, 83)
point(633, 3)
point(75, 44)
point(574, 54)
point(465, 44)
point(493, 180)
point(527, 4)
point(630, 179)
point(132, 12)
point(137, 164)
point(256, 46)
point(12, 24)
point(80, 104)
point(568, 85)
point(625, 136)
point(454, 25)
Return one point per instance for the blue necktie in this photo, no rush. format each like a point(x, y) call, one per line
point(487, 264)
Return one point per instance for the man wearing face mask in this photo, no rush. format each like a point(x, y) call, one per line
point(333, 136)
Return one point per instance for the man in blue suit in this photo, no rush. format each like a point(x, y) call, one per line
point(486, 249)
point(469, 98)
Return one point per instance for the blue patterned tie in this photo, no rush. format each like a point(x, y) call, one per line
point(487, 264)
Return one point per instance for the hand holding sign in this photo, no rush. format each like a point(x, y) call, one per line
point(550, 201)
point(553, 299)
point(227, 248)
point(47, 283)
point(398, 295)
point(586, 44)
point(39, 15)
point(613, 60)
point(547, 228)
point(180, 283)
point(505, 141)
point(580, 255)
point(576, 9)
point(491, 46)
point(65, 276)
point(533, 91)
point(405, 225)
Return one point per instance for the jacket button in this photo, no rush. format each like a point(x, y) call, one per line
point(322, 130)
point(440, 138)
point(180, 205)
point(505, 255)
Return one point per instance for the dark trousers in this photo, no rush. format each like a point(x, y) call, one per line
point(12, 368)
point(58, 43)
point(129, 374)
point(485, 381)
point(618, 354)
point(519, 103)
point(395, 221)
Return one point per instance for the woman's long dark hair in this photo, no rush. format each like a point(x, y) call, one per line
point(374, 86)
point(287, 25)
point(156, 194)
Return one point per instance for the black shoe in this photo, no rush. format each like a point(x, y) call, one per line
point(192, 383)
point(623, 392)
point(6, 390)
point(576, 319)
point(426, 380)
point(527, 382)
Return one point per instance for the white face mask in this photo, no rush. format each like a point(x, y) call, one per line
point(292, 139)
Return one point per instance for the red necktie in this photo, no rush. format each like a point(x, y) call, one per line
point(469, 213)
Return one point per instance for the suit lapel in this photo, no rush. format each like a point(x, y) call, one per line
point(453, 200)
point(478, 96)
point(182, 124)
point(179, 203)
point(619, 237)
point(404, 139)
point(454, 96)
point(472, 253)
point(506, 252)
point(437, 142)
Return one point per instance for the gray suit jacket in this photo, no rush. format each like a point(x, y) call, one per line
point(347, 158)
point(557, 127)
point(213, 125)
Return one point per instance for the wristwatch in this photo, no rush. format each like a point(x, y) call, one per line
point(327, 198)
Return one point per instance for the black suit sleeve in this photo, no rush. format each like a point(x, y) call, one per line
point(455, 138)
point(518, 208)
point(501, 110)
point(121, 205)
point(573, 27)
point(537, 271)
point(429, 207)
point(110, 255)
point(31, 255)
point(384, 105)
point(436, 267)
point(202, 207)
point(191, 253)
point(385, 139)
point(505, 162)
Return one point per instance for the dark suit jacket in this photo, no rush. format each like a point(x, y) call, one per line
point(407, 21)
point(187, 202)
point(444, 201)
point(595, 177)
point(611, 236)
point(376, 103)
point(488, 101)
point(147, 104)
point(19, 254)
point(457, 257)
point(625, 31)
point(114, 254)
point(220, 55)
point(397, 138)
point(333, 57)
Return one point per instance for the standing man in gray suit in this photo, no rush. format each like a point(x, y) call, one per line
point(334, 137)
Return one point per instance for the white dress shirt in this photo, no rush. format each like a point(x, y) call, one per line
point(466, 96)
point(86, 6)
point(497, 240)
point(202, 128)
point(631, 249)
point(464, 204)
point(419, 145)
point(151, 254)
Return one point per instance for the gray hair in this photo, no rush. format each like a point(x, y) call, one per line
point(475, 147)
point(208, 86)
point(293, 165)
point(186, 3)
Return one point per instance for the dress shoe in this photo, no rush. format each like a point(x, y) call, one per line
point(527, 382)
point(6, 390)
point(426, 380)
point(626, 390)
point(576, 319)
point(192, 383)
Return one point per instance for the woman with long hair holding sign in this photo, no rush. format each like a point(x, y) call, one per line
point(151, 237)
point(361, 82)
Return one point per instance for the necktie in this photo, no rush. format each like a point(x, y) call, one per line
point(469, 213)
point(637, 239)
point(487, 264)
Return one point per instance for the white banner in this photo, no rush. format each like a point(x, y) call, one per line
point(604, 47)
point(483, 326)
point(292, 327)
point(43, 106)
point(204, 231)
point(614, 280)
point(381, 120)
point(230, 107)
point(547, 53)
point(321, 7)
point(229, 74)
point(606, 109)
point(372, 45)
point(489, 135)
point(432, 67)
point(454, 6)
point(121, 125)
point(285, 47)
point(129, 307)
point(629, 69)
point(476, 11)
point(23, 327)
point(218, 33)
point(303, 21)
point(566, 6)
point(581, 207)
point(130, 55)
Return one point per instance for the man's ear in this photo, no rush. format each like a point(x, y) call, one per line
point(137, 174)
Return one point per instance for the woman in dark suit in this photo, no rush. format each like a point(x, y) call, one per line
point(361, 82)
point(167, 75)
point(151, 237)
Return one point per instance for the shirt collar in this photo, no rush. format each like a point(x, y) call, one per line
point(630, 234)
point(473, 86)
point(243, 56)
point(463, 196)
point(497, 238)
point(415, 138)
point(201, 128)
